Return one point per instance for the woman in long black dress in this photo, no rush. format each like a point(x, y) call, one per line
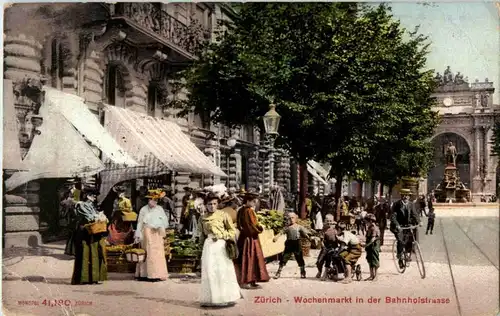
point(90, 257)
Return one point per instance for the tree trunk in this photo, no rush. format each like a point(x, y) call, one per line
point(390, 192)
point(338, 194)
point(381, 189)
point(373, 188)
point(360, 191)
point(302, 190)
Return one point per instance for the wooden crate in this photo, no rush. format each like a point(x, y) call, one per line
point(117, 263)
point(182, 264)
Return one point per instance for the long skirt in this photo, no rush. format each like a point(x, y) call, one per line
point(90, 258)
point(219, 285)
point(155, 266)
point(251, 264)
point(70, 244)
point(373, 254)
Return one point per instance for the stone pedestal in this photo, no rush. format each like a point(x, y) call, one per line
point(22, 217)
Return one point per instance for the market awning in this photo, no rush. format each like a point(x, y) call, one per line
point(74, 109)
point(12, 159)
point(322, 172)
point(58, 152)
point(316, 175)
point(149, 139)
point(110, 178)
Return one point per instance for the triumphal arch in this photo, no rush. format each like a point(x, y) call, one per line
point(468, 117)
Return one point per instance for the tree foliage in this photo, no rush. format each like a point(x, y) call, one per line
point(347, 79)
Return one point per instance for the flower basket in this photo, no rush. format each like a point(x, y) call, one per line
point(96, 228)
point(306, 247)
point(135, 255)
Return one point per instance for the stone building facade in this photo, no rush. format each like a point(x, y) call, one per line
point(468, 115)
point(123, 54)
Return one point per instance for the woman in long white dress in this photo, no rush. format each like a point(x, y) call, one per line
point(219, 286)
point(151, 229)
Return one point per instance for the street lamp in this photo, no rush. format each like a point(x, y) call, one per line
point(271, 123)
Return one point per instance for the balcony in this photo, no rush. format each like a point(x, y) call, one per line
point(148, 24)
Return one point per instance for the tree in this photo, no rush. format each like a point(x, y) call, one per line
point(330, 68)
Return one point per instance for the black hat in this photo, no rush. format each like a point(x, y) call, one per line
point(90, 191)
point(212, 196)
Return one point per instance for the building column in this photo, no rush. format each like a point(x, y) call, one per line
point(22, 60)
point(233, 169)
point(211, 152)
point(477, 150)
point(254, 170)
point(180, 180)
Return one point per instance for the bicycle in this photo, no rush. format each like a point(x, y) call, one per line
point(406, 257)
point(337, 265)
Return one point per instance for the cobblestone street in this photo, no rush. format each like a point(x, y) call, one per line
point(459, 246)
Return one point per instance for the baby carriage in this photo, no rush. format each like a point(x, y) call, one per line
point(335, 264)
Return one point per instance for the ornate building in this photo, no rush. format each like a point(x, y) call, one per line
point(468, 116)
point(119, 55)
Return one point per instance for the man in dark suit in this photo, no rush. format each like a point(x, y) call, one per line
point(403, 214)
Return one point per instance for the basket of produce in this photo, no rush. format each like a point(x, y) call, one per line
point(135, 255)
point(306, 246)
point(96, 227)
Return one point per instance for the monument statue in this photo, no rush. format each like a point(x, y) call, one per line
point(438, 79)
point(451, 154)
point(448, 76)
point(459, 79)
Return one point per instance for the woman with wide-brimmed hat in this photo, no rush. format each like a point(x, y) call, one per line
point(250, 263)
point(90, 262)
point(151, 229)
point(120, 230)
point(219, 285)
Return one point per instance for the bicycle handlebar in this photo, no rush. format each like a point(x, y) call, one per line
point(409, 227)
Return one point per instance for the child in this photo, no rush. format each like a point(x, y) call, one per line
point(430, 221)
point(372, 246)
point(292, 245)
point(329, 242)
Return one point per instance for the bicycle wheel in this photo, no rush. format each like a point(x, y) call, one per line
point(419, 259)
point(395, 257)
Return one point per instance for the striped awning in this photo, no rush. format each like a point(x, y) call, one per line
point(157, 143)
point(316, 175)
point(74, 109)
point(58, 152)
point(322, 172)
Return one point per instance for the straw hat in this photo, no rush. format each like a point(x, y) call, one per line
point(129, 216)
point(227, 198)
point(155, 194)
point(404, 191)
point(125, 205)
point(251, 194)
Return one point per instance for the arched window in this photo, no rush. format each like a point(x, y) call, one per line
point(115, 86)
point(56, 64)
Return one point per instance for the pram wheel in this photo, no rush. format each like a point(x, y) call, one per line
point(358, 272)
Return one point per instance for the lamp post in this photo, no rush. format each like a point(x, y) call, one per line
point(271, 123)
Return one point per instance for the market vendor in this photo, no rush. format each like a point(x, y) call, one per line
point(120, 230)
point(90, 263)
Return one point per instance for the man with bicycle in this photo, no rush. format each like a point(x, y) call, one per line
point(403, 214)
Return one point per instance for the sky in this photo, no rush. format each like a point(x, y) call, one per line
point(463, 35)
